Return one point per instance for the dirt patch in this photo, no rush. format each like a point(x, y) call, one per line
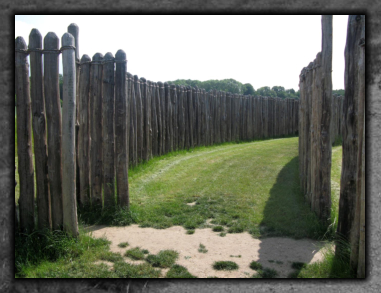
point(276, 252)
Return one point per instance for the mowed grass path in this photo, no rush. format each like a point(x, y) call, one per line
point(250, 187)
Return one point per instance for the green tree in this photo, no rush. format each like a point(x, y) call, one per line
point(338, 92)
point(248, 89)
point(266, 92)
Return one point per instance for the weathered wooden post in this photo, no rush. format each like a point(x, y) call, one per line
point(321, 115)
point(181, 117)
point(147, 151)
point(96, 121)
point(108, 130)
point(189, 109)
point(70, 222)
point(73, 29)
point(154, 123)
point(168, 118)
point(174, 101)
point(139, 119)
point(122, 121)
point(351, 191)
point(39, 130)
point(24, 137)
point(84, 130)
point(228, 117)
point(132, 121)
point(218, 115)
point(159, 122)
point(211, 117)
point(53, 119)
point(163, 114)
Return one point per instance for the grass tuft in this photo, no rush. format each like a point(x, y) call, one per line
point(164, 259)
point(266, 273)
point(254, 265)
point(123, 244)
point(135, 254)
point(202, 248)
point(225, 265)
point(126, 270)
point(218, 229)
point(177, 271)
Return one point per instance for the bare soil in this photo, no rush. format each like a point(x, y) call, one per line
point(277, 253)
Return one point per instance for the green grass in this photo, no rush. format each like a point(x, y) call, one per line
point(123, 244)
point(251, 187)
point(177, 271)
point(135, 253)
point(254, 265)
point(266, 273)
point(225, 265)
point(332, 266)
point(164, 259)
point(218, 229)
point(126, 270)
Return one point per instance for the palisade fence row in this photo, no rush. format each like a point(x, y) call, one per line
point(323, 118)
point(110, 120)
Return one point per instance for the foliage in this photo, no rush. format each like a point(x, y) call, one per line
point(236, 87)
point(338, 92)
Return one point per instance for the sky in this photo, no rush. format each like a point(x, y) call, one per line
point(263, 50)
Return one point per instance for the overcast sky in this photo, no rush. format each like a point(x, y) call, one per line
point(261, 50)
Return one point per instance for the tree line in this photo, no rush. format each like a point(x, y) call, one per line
point(235, 87)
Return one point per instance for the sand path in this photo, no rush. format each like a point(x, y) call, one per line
point(275, 252)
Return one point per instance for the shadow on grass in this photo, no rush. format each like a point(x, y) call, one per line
point(287, 215)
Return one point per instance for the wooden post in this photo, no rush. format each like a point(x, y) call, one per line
point(24, 138)
point(84, 131)
point(174, 132)
point(168, 118)
point(154, 132)
point(39, 130)
point(108, 130)
point(163, 114)
point(70, 222)
point(353, 115)
point(73, 29)
point(53, 119)
point(122, 121)
point(321, 115)
point(198, 116)
point(139, 119)
point(189, 109)
point(96, 121)
point(181, 117)
point(159, 122)
point(132, 121)
point(147, 151)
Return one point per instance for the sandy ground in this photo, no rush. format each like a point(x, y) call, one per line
point(276, 252)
